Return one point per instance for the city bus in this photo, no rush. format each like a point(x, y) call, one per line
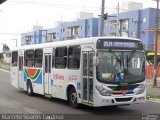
point(98, 71)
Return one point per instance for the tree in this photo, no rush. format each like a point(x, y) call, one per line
point(1, 57)
point(5, 48)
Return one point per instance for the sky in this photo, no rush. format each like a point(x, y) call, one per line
point(19, 16)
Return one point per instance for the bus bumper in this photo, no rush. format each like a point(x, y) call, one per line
point(100, 100)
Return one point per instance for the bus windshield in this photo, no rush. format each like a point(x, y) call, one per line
point(120, 66)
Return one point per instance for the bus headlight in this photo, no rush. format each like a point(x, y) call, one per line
point(140, 89)
point(103, 91)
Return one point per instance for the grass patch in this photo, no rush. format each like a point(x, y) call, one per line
point(153, 96)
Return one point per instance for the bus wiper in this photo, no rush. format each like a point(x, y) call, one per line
point(117, 57)
point(131, 56)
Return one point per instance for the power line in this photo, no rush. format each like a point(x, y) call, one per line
point(9, 34)
point(50, 4)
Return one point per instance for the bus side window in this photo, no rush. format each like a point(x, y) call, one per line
point(29, 63)
point(74, 57)
point(53, 56)
point(29, 58)
point(60, 57)
point(14, 58)
point(38, 58)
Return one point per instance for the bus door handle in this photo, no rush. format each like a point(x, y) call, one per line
point(55, 85)
point(60, 86)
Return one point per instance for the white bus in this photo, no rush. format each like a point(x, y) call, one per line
point(100, 71)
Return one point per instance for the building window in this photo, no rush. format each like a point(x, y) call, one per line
point(112, 34)
point(72, 32)
point(51, 37)
point(74, 57)
point(14, 58)
point(113, 25)
point(76, 29)
point(28, 40)
point(144, 19)
point(134, 34)
point(38, 58)
point(125, 34)
point(61, 57)
point(125, 24)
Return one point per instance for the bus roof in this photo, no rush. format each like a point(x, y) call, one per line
point(80, 41)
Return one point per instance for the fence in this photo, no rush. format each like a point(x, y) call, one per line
point(150, 71)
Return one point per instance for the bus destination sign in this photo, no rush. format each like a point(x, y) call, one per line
point(119, 44)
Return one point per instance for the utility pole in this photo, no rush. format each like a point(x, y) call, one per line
point(155, 46)
point(117, 25)
point(102, 19)
point(15, 40)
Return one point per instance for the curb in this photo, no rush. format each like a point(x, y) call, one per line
point(154, 100)
point(4, 70)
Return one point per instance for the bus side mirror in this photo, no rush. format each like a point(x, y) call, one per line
point(95, 61)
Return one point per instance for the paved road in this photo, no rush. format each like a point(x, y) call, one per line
point(16, 101)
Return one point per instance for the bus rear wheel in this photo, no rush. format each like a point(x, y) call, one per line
point(73, 98)
point(29, 88)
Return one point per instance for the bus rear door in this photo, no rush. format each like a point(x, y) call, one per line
point(20, 72)
point(47, 71)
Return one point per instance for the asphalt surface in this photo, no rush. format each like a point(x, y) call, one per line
point(13, 101)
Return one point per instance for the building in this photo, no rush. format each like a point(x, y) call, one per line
point(136, 24)
point(80, 28)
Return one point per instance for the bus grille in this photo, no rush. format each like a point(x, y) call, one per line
point(123, 99)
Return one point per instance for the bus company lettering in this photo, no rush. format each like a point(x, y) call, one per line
point(72, 77)
point(58, 77)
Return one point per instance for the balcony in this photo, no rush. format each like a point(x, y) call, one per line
point(72, 32)
point(51, 37)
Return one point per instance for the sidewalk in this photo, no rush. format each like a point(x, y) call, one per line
point(4, 66)
point(153, 92)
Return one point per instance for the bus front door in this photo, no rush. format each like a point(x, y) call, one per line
point(88, 77)
point(47, 73)
point(20, 72)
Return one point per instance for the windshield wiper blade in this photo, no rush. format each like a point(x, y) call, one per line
point(131, 56)
point(117, 57)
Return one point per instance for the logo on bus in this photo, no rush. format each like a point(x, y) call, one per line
point(34, 74)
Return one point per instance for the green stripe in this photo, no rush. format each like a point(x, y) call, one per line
point(37, 74)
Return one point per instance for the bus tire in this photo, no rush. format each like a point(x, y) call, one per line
point(29, 88)
point(73, 98)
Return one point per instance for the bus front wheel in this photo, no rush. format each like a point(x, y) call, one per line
point(29, 88)
point(73, 98)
